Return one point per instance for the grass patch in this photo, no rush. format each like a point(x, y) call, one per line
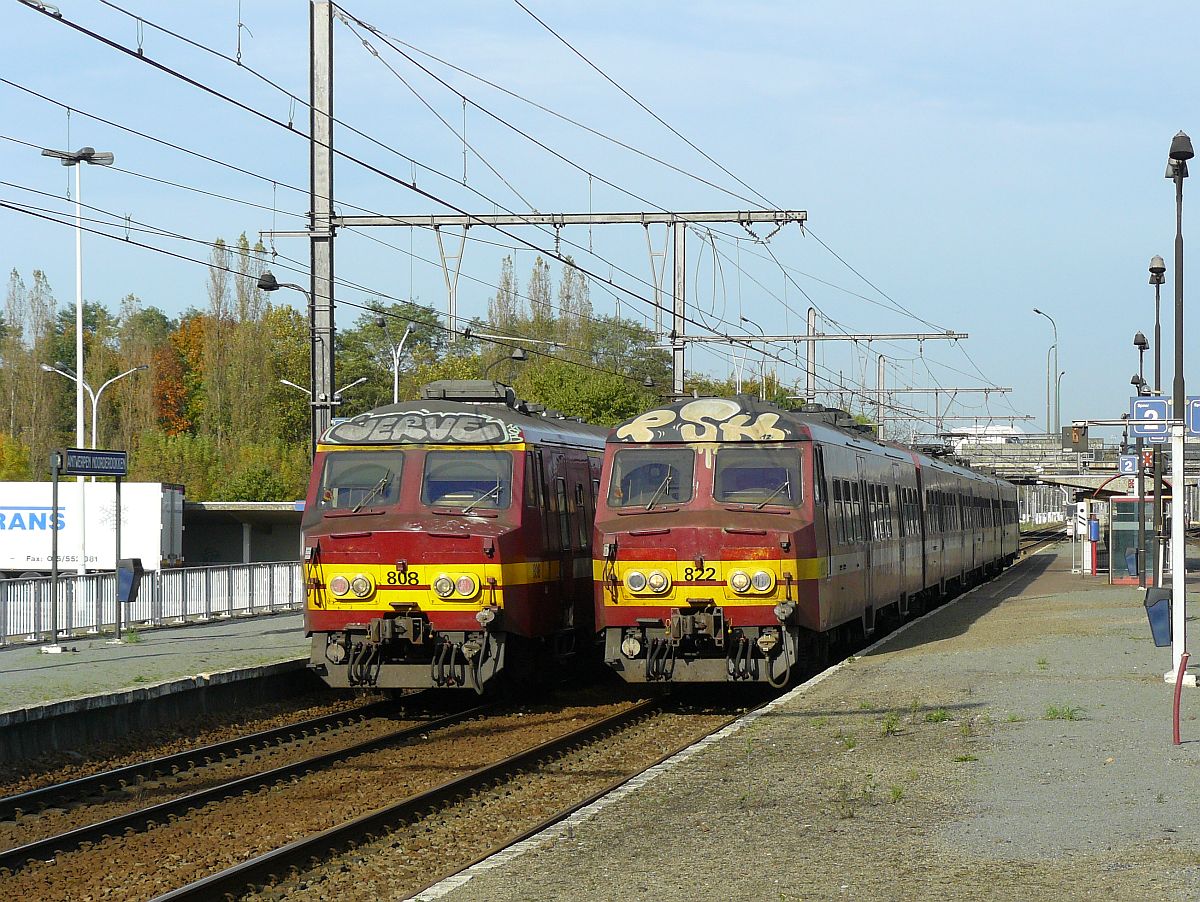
point(895, 794)
point(963, 759)
point(1064, 712)
point(965, 729)
point(1043, 664)
point(849, 743)
point(941, 715)
point(1013, 717)
point(891, 724)
point(132, 636)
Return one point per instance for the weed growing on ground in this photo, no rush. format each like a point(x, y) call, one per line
point(864, 705)
point(1043, 664)
point(1160, 798)
point(985, 720)
point(1013, 717)
point(941, 715)
point(845, 804)
point(820, 722)
point(965, 758)
point(965, 729)
point(132, 636)
point(848, 742)
point(870, 787)
point(891, 724)
point(895, 794)
point(1066, 712)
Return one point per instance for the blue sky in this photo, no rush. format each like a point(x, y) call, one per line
point(968, 162)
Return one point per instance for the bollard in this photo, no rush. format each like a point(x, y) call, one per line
point(1183, 659)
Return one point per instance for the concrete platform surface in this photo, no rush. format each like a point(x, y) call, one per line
point(90, 667)
point(1015, 744)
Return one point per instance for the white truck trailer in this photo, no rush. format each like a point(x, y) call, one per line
point(151, 525)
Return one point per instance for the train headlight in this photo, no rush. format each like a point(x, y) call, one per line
point(658, 582)
point(636, 581)
point(361, 586)
point(739, 581)
point(466, 586)
point(443, 586)
point(762, 581)
point(339, 586)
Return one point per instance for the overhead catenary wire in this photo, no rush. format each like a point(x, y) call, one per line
point(527, 244)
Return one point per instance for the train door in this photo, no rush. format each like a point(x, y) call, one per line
point(868, 546)
point(901, 538)
point(822, 503)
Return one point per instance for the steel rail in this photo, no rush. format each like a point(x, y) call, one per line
point(50, 847)
point(14, 806)
point(300, 854)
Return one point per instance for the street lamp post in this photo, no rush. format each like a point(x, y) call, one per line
point(1139, 342)
point(268, 282)
point(1158, 271)
point(63, 370)
point(762, 364)
point(92, 157)
point(519, 355)
point(1049, 378)
point(1180, 153)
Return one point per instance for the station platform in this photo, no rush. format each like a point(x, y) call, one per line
point(96, 690)
point(1013, 744)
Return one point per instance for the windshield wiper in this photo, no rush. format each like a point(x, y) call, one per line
point(783, 485)
point(378, 487)
point(494, 490)
point(663, 486)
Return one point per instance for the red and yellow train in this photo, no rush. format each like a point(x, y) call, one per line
point(734, 538)
point(447, 540)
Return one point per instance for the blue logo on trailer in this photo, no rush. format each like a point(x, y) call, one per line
point(1148, 417)
point(1128, 465)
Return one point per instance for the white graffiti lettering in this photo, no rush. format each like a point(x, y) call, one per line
point(421, 426)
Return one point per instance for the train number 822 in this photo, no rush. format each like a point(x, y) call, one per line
point(692, 574)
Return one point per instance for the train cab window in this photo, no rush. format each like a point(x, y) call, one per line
point(471, 480)
point(356, 479)
point(757, 476)
point(651, 476)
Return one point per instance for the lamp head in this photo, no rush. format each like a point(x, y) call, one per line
point(1181, 149)
point(520, 355)
point(648, 382)
point(267, 281)
point(1140, 342)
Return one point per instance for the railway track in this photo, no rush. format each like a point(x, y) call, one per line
point(142, 816)
point(433, 804)
point(149, 850)
point(1036, 540)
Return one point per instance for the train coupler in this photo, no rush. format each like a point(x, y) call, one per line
point(660, 660)
point(698, 624)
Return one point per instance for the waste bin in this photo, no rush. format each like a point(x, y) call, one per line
point(1158, 611)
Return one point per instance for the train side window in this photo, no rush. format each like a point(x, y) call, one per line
point(533, 484)
point(857, 532)
point(560, 487)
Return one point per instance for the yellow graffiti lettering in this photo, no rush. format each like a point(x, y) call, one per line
point(762, 429)
point(703, 413)
point(642, 429)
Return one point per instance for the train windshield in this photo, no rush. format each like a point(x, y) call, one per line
point(353, 480)
point(650, 476)
point(757, 476)
point(470, 480)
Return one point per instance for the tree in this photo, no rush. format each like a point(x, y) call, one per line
point(505, 308)
point(14, 459)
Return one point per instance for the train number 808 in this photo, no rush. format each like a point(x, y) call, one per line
point(407, 578)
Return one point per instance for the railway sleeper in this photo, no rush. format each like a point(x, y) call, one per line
point(702, 646)
point(405, 652)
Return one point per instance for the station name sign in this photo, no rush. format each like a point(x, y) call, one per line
point(89, 462)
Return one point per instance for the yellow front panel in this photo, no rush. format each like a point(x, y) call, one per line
point(712, 581)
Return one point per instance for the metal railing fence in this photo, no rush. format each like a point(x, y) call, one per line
point(87, 604)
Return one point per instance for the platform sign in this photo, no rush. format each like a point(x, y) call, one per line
point(1127, 464)
point(1148, 417)
point(90, 462)
point(1192, 417)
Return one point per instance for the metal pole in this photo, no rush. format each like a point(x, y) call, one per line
point(117, 563)
point(811, 387)
point(79, 437)
point(879, 399)
point(321, 234)
point(1158, 459)
point(1057, 384)
point(1140, 557)
point(55, 465)
point(1178, 486)
point(678, 298)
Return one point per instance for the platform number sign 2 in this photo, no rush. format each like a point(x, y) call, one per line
point(1128, 464)
point(1148, 417)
